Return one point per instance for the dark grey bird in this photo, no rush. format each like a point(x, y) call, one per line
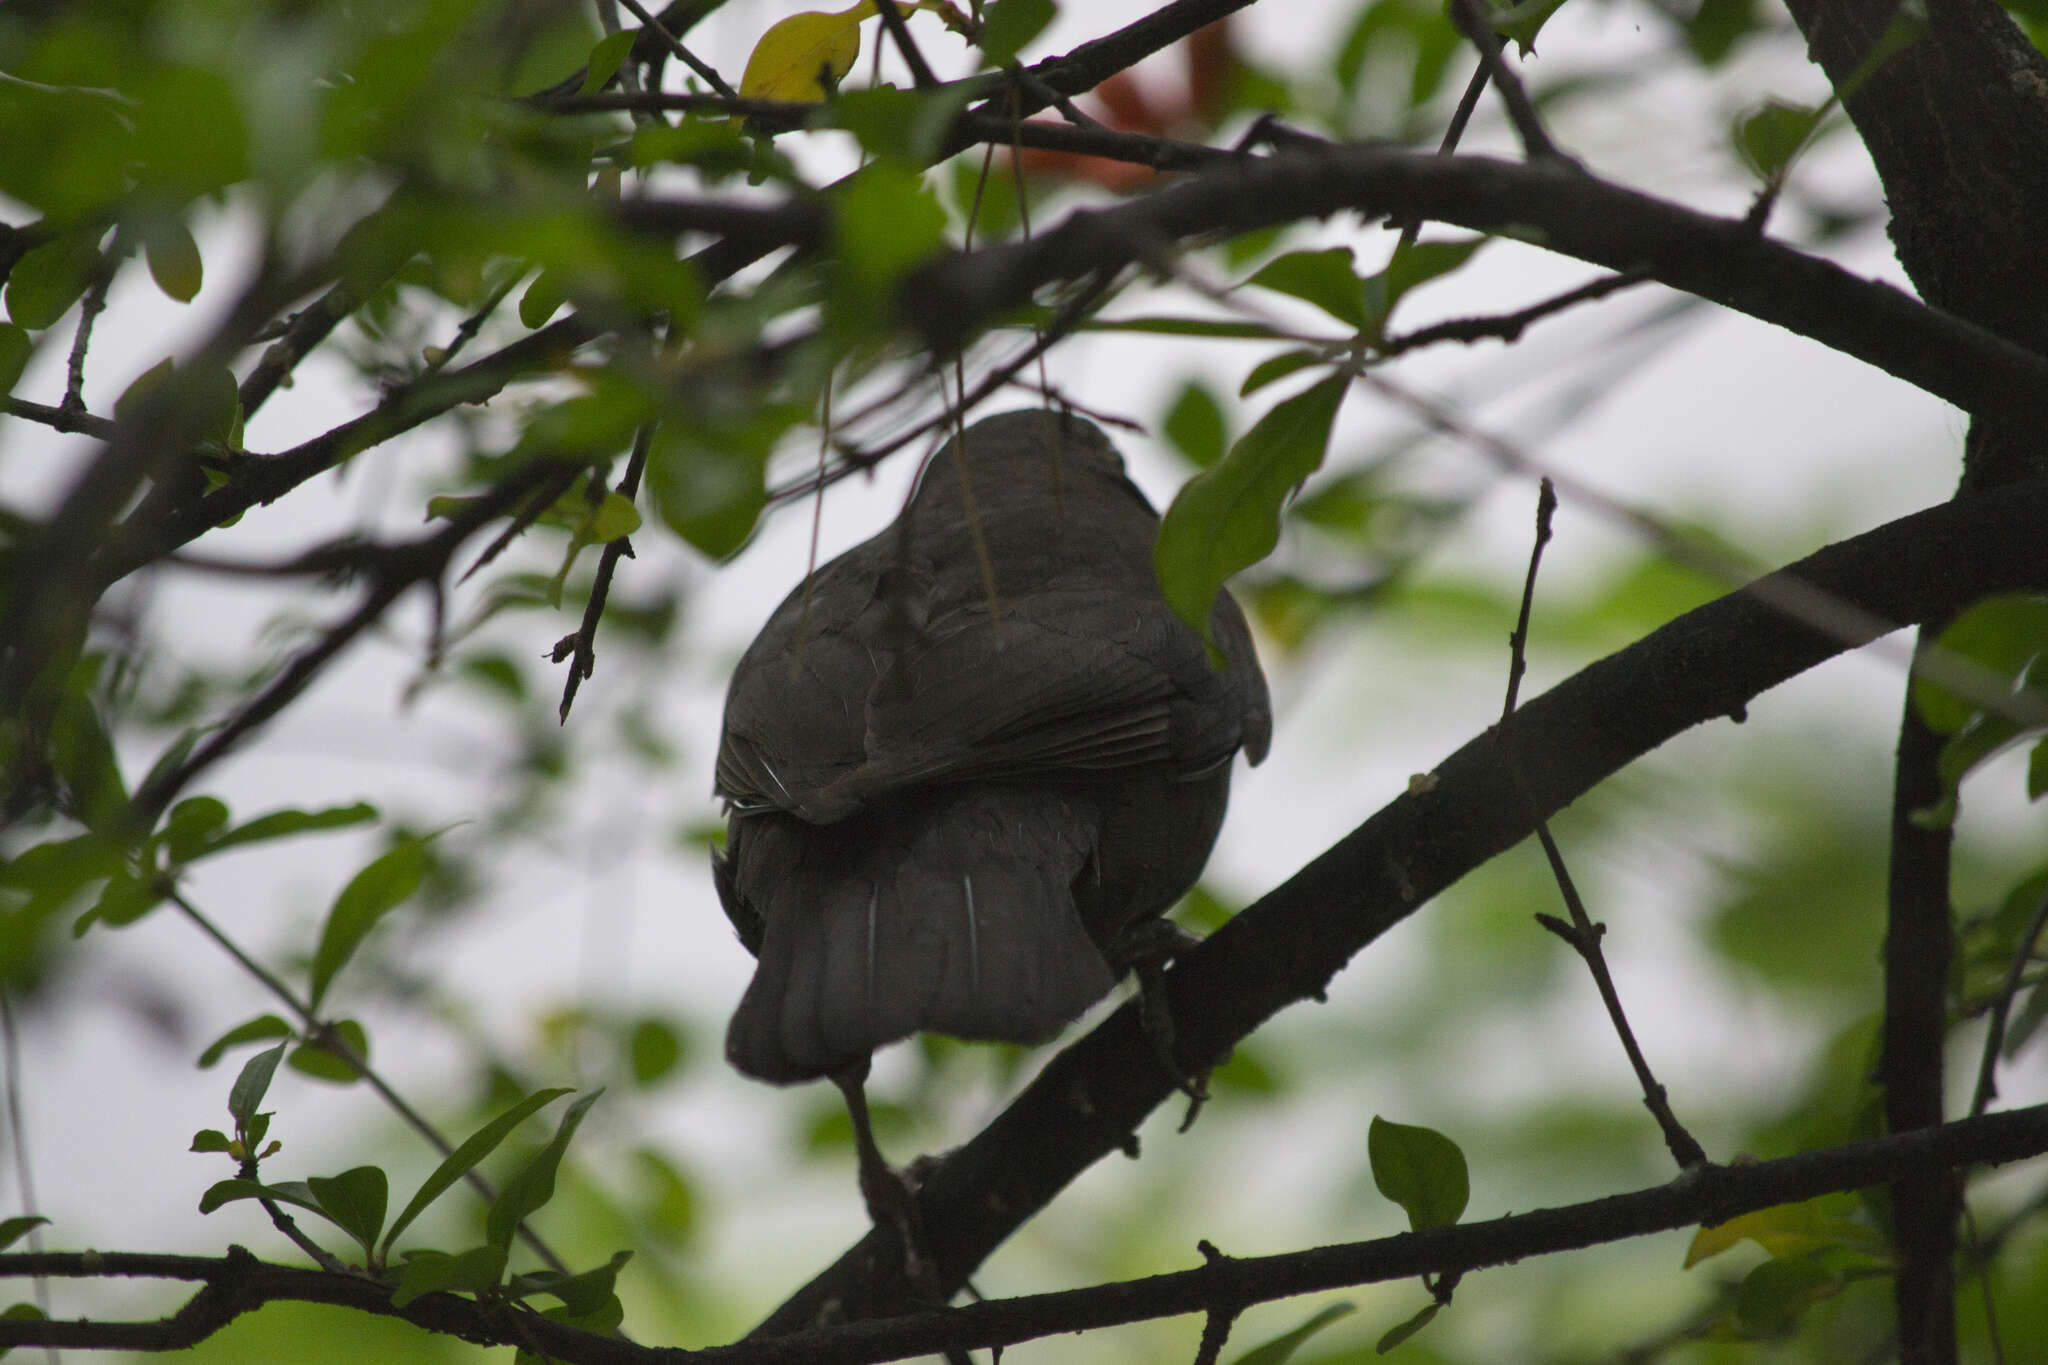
point(970, 764)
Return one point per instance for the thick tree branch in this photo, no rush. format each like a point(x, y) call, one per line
point(1719, 259)
point(267, 478)
point(1709, 663)
point(238, 1283)
point(1956, 123)
point(1918, 944)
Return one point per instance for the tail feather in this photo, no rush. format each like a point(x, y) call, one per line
point(956, 917)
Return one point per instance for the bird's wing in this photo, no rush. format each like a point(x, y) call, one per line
point(795, 717)
point(1066, 684)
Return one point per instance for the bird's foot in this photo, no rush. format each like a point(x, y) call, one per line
point(890, 1195)
point(1147, 948)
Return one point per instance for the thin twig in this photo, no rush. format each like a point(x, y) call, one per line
point(1830, 614)
point(533, 509)
point(920, 69)
point(2001, 1009)
point(293, 1233)
point(1220, 1318)
point(1454, 132)
point(1063, 323)
point(89, 309)
point(306, 329)
point(1070, 111)
point(1472, 20)
point(675, 45)
point(1980, 1264)
point(17, 1136)
point(1581, 933)
point(583, 650)
point(394, 572)
point(1714, 1195)
point(330, 1040)
point(1510, 326)
point(71, 421)
point(471, 325)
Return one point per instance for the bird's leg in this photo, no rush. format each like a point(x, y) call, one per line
point(891, 1200)
point(1146, 948)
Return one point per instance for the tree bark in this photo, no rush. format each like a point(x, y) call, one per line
point(1957, 126)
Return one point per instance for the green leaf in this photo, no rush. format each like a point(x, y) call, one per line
point(354, 1201)
point(324, 1063)
point(253, 1084)
point(15, 349)
point(1412, 264)
point(297, 1193)
point(201, 399)
point(1421, 1170)
point(251, 1031)
point(2037, 771)
point(707, 476)
point(718, 150)
point(1394, 1336)
point(1276, 367)
point(126, 898)
point(282, 824)
point(604, 62)
point(614, 517)
point(174, 754)
point(189, 825)
point(583, 1293)
point(211, 1140)
point(189, 135)
point(174, 261)
point(548, 292)
point(1326, 279)
point(1524, 21)
point(2002, 635)
point(474, 1148)
point(1770, 136)
point(1196, 426)
point(1774, 1295)
point(12, 1230)
point(128, 407)
point(1228, 517)
point(46, 879)
point(534, 1184)
point(668, 1207)
point(1218, 328)
point(1282, 1348)
point(886, 220)
point(379, 888)
point(884, 121)
point(2026, 1020)
point(1718, 25)
point(45, 282)
point(427, 1272)
point(83, 755)
point(1007, 25)
point(82, 139)
point(654, 1049)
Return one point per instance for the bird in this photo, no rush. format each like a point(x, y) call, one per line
point(968, 765)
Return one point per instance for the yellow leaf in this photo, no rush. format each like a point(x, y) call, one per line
point(803, 56)
point(1782, 1230)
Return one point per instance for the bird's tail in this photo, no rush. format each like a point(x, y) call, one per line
point(954, 917)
